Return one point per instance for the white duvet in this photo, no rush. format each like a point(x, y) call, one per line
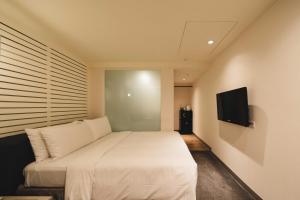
point(134, 166)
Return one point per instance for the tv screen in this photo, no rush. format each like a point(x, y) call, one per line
point(233, 106)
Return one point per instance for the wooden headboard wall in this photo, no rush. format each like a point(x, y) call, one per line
point(39, 86)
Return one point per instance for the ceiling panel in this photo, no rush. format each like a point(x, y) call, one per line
point(194, 43)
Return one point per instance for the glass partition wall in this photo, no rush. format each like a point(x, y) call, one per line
point(132, 99)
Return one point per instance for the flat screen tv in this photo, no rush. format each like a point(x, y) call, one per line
point(233, 106)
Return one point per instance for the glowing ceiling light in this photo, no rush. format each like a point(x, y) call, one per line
point(210, 42)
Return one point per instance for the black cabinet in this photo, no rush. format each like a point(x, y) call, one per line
point(185, 121)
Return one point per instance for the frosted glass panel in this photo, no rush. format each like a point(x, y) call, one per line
point(132, 99)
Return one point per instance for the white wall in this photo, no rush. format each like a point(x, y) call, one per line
point(23, 21)
point(182, 97)
point(167, 99)
point(97, 98)
point(266, 59)
point(96, 92)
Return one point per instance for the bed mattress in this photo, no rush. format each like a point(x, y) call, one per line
point(131, 165)
point(45, 174)
point(52, 172)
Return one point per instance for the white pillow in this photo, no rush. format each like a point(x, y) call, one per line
point(37, 143)
point(99, 127)
point(63, 140)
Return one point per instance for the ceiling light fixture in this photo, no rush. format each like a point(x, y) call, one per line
point(183, 79)
point(210, 42)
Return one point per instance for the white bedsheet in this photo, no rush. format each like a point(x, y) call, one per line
point(137, 165)
point(142, 165)
point(52, 172)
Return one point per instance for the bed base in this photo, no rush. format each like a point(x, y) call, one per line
point(15, 154)
point(56, 192)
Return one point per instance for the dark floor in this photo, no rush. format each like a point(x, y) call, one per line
point(214, 181)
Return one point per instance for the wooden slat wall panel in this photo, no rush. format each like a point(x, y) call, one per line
point(14, 93)
point(60, 97)
point(24, 48)
point(21, 70)
point(72, 87)
point(4, 98)
point(61, 67)
point(11, 123)
point(13, 33)
point(63, 113)
point(67, 77)
point(63, 117)
point(22, 52)
point(20, 128)
point(21, 87)
point(20, 58)
point(58, 109)
point(62, 82)
point(22, 81)
point(14, 111)
point(65, 59)
point(52, 123)
point(22, 76)
point(67, 101)
point(39, 86)
point(68, 88)
point(22, 64)
point(22, 105)
point(22, 116)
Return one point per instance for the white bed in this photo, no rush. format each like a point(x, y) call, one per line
point(126, 165)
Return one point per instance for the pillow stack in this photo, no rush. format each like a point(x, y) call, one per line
point(60, 140)
point(37, 143)
point(64, 140)
point(99, 127)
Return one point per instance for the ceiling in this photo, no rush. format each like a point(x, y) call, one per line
point(144, 30)
point(186, 76)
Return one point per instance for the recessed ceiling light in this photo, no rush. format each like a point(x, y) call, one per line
point(129, 95)
point(183, 79)
point(210, 42)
